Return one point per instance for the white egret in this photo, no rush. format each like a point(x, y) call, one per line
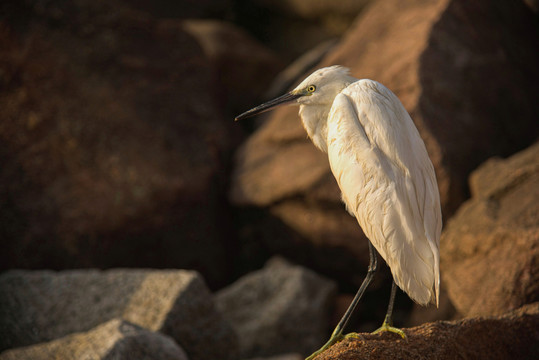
point(385, 175)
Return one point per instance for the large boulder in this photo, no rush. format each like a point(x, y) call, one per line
point(490, 248)
point(236, 60)
point(279, 309)
point(113, 141)
point(42, 306)
point(471, 97)
point(116, 339)
point(514, 335)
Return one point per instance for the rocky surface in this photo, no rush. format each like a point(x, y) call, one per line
point(490, 248)
point(116, 139)
point(512, 336)
point(116, 135)
point(42, 306)
point(115, 339)
point(279, 309)
point(425, 54)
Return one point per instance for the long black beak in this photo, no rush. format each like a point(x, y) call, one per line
point(286, 98)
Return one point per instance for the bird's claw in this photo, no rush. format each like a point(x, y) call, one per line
point(387, 326)
point(354, 335)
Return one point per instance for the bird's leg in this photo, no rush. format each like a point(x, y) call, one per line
point(337, 334)
point(388, 322)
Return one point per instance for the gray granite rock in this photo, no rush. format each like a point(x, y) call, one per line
point(113, 340)
point(39, 306)
point(279, 309)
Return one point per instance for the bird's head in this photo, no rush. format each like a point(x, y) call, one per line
point(319, 88)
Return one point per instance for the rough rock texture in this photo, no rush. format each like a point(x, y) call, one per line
point(42, 305)
point(490, 248)
point(281, 308)
point(114, 340)
point(465, 71)
point(114, 143)
point(511, 336)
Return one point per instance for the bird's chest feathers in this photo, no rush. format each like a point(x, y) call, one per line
point(314, 118)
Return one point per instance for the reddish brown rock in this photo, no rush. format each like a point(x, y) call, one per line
point(490, 248)
point(511, 336)
point(279, 309)
point(466, 73)
point(114, 143)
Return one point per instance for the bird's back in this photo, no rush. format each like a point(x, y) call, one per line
point(388, 183)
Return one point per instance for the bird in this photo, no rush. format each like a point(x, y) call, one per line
point(386, 178)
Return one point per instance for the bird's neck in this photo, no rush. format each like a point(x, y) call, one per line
point(314, 118)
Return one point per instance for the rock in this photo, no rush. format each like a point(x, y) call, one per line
point(439, 71)
point(42, 306)
point(290, 356)
point(323, 226)
point(281, 308)
point(425, 54)
point(236, 60)
point(316, 9)
point(533, 5)
point(512, 336)
point(285, 80)
point(489, 249)
point(445, 310)
point(116, 339)
point(184, 9)
point(292, 28)
point(113, 138)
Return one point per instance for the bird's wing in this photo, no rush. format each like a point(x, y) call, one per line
point(388, 183)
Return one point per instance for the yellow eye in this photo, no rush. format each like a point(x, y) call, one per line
point(311, 88)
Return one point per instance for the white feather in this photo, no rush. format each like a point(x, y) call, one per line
point(388, 183)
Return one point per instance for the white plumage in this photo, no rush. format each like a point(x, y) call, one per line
point(388, 183)
point(383, 170)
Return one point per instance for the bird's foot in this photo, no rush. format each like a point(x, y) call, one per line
point(388, 326)
point(354, 335)
point(335, 338)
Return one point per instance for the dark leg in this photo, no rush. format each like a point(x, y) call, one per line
point(391, 300)
point(388, 322)
point(338, 332)
point(373, 266)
